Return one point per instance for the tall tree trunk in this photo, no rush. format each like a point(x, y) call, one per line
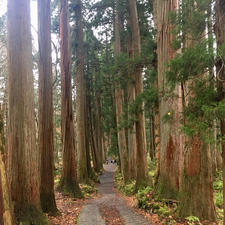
point(131, 143)
point(197, 177)
point(22, 149)
point(80, 95)
point(98, 128)
point(69, 176)
point(119, 103)
point(220, 37)
point(142, 174)
point(45, 128)
point(171, 139)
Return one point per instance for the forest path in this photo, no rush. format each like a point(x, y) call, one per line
point(90, 214)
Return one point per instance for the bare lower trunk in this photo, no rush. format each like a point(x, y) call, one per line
point(80, 96)
point(45, 128)
point(197, 182)
point(5, 206)
point(69, 176)
point(22, 149)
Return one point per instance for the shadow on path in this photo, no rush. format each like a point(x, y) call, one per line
point(90, 214)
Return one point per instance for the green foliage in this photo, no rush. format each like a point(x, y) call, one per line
point(143, 198)
point(151, 167)
point(192, 220)
point(127, 189)
point(189, 64)
point(218, 190)
point(163, 211)
point(218, 199)
point(88, 189)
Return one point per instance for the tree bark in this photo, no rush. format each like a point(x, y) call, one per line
point(119, 103)
point(80, 95)
point(5, 206)
point(68, 181)
point(131, 95)
point(22, 149)
point(45, 120)
point(142, 174)
point(197, 182)
point(171, 139)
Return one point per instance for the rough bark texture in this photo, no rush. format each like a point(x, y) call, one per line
point(22, 150)
point(220, 37)
point(80, 96)
point(196, 197)
point(119, 104)
point(69, 177)
point(142, 175)
point(45, 120)
point(131, 134)
point(171, 140)
point(5, 206)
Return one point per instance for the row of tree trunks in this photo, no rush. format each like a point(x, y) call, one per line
point(69, 176)
point(45, 122)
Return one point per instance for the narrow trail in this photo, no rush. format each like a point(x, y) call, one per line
point(90, 214)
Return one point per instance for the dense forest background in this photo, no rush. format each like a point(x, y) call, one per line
point(138, 81)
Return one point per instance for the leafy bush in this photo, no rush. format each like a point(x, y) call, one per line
point(88, 189)
point(192, 220)
point(143, 198)
point(163, 211)
point(218, 199)
point(126, 189)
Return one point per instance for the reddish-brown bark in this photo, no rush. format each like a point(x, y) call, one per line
point(69, 175)
point(171, 139)
point(81, 116)
point(22, 149)
point(141, 159)
point(196, 197)
point(45, 122)
point(119, 98)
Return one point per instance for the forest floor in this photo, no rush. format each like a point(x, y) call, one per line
point(69, 209)
point(108, 207)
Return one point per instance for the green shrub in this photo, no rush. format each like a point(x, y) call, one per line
point(192, 220)
point(143, 198)
point(88, 189)
point(129, 189)
point(218, 199)
point(163, 211)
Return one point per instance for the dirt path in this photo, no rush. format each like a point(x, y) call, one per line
point(90, 214)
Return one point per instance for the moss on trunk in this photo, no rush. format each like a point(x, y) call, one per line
point(28, 215)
